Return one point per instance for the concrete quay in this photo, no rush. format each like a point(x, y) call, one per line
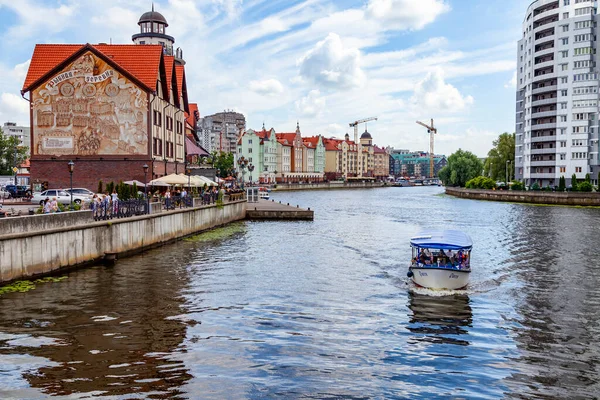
point(271, 210)
point(38, 245)
point(530, 196)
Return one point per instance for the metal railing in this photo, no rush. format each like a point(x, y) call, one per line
point(119, 209)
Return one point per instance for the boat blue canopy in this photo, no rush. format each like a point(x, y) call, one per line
point(443, 240)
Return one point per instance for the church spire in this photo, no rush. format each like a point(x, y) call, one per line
point(297, 126)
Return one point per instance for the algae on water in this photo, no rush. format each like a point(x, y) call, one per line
point(26, 286)
point(218, 233)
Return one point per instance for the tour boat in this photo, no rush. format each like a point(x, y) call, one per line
point(263, 193)
point(441, 259)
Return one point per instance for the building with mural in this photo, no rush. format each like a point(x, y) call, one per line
point(111, 109)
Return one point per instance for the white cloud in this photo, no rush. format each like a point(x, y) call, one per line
point(335, 129)
point(433, 93)
point(14, 108)
point(332, 65)
point(268, 87)
point(312, 105)
point(512, 83)
point(406, 14)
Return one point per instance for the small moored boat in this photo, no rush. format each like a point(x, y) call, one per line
point(441, 259)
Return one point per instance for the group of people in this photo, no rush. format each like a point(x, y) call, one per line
point(107, 202)
point(458, 259)
point(50, 206)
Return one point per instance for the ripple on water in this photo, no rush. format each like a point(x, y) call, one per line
point(324, 310)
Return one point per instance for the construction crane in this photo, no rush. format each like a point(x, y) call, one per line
point(359, 156)
point(356, 123)
point(432, 131)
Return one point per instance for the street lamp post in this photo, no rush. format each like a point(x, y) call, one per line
point(507, 163)
point(71, 165)
point(250, 168)
point(242, 164)
point(145, 166)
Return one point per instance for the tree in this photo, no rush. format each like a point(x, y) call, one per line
point(503, 151)
point(462, 167)
point(574, 182)
point(223, 162)
point(562, 184)
point(11, 153)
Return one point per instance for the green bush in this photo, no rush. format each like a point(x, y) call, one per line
point(480, 182)
point(535, 186)
point(584, 187)
point(517, 186)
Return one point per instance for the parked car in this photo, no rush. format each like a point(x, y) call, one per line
point(81, 192)
point(18, 191)
point(4, 194)
point(61, 196)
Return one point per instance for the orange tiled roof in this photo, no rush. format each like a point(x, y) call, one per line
point(142, 62)
point(179, 72)
point(169, 64)
point(191, 117)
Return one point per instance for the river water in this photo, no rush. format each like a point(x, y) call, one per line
point(324, 310)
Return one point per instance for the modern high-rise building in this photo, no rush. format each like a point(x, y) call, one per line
point(221, 131)
point(557, 93)
point(22, 133)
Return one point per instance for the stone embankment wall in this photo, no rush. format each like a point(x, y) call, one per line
point(40, 244)
point(327, 186)
point(534, 197)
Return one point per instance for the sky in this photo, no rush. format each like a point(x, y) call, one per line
point(321, 63)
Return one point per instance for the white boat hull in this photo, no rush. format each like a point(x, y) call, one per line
point(440, 278)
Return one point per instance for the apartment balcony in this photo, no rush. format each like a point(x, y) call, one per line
point(545, 37)
point(544, 102)
point(546, 13)
point(541, 114)
point(543, 139)
point(551, 163)
point(544, 22)
point(551, 150)
point(542, 176)
point(545, 76)
point(544, 52)
point(545, 89)
point(549, 125)
point(544, 64)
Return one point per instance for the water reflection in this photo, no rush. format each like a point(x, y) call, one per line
point(440, 319)
point(106, 331)
point(558, 295)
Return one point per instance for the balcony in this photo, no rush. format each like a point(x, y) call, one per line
point(551, 150)
point(542, 114)
point(543, 52)
point(551, 163)
point(549, 125)
point(544, 89)
point(543, 139)
point(542, 176)
point(543, 102)
point(542, 23)
point(542, 36)
point(544, 64)
point(545, 76)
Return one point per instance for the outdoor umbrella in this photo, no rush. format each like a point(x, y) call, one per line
point(136, 182)
point(173, 179)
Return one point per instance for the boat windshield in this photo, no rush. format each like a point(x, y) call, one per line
point(426, 257)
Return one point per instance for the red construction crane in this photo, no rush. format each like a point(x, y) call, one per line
point(432, 131)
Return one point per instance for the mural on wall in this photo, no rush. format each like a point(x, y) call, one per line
point(90, 109)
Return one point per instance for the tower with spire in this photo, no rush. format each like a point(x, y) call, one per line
point(153, 30)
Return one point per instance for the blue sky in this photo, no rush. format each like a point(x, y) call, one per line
point(322, 63)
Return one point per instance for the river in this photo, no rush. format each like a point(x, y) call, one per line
point(323, 310)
